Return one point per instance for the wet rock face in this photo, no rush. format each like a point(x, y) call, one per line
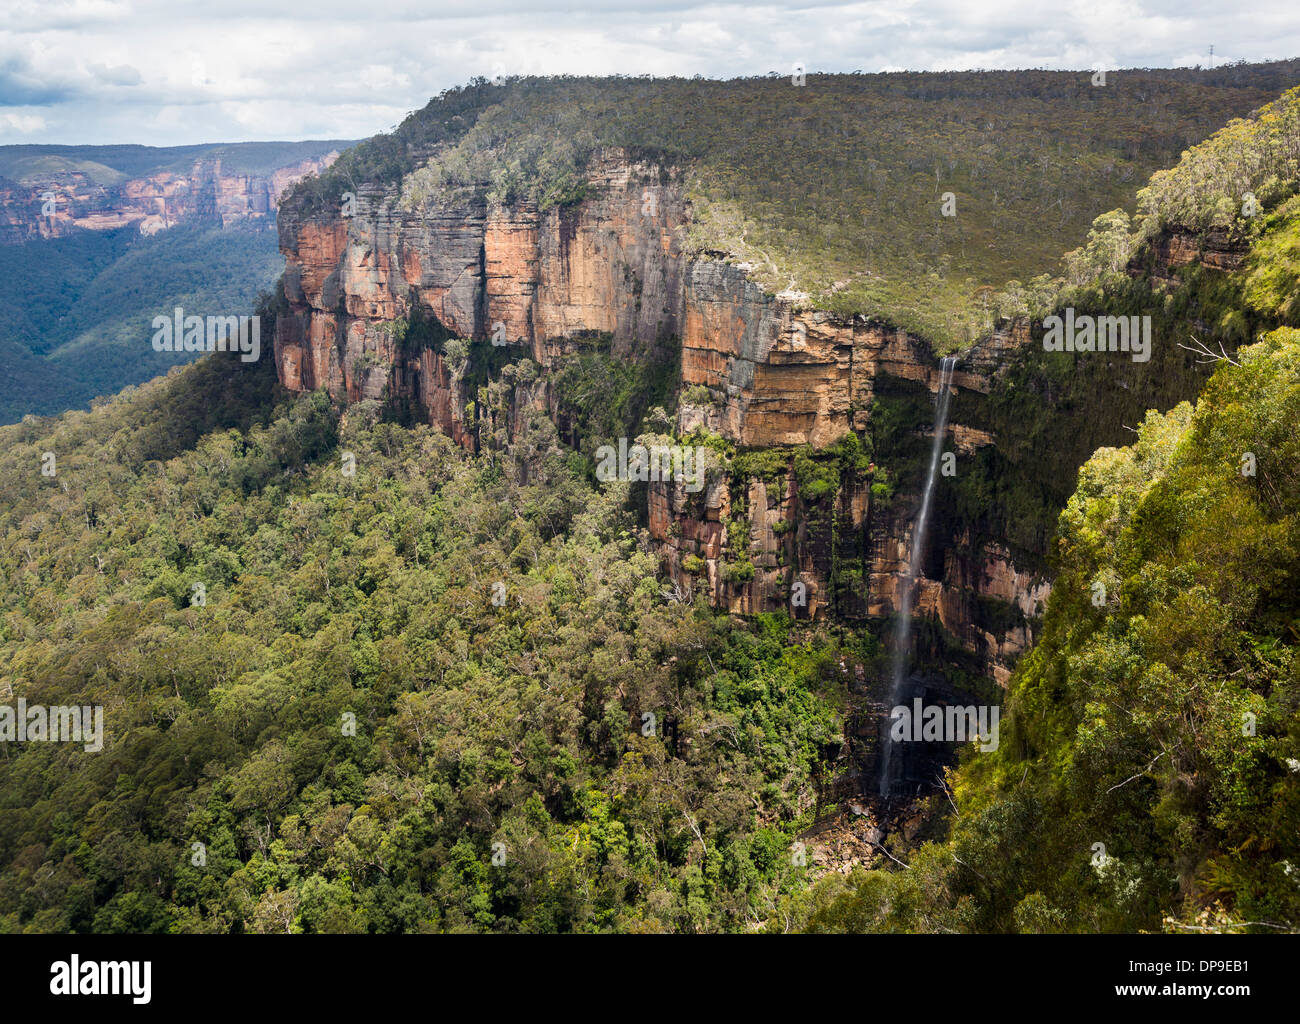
point(800, 377)
point(843, 556)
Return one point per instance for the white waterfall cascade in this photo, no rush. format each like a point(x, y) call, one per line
point(903, 625)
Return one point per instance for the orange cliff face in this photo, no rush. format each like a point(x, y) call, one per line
point(614, 263)
point(778, 375)
point(617, 262)
point(527, 278)
point(844, 555)
point(154, 203)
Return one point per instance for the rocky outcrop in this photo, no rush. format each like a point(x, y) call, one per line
point(616, 263)
point(778, 375)
point(70, 201)
point(843, 556)
point(1177, 247)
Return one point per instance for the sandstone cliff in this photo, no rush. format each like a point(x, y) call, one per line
point(757, 369)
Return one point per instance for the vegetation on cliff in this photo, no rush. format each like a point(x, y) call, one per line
point(1235, 194)
point(834, 188)
point(1233, 188)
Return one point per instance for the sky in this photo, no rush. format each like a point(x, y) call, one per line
point(170, 72)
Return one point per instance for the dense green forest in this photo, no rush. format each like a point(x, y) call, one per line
point(835, 187)
point(522, 723)
point(78, 309)
point(352, 729)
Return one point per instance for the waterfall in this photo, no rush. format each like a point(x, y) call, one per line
point(903, 625)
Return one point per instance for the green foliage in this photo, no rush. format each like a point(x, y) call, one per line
point(506, 165)
point(1106, 253)
point(1272, 283)
point(1208, 188)
point(604, 396)
point(80, 309)
point(371, 596)
point(766, 464)
point(518, 727)
point(835, 188)
point(816, 479)
point(901, 415)
point(1239, 183)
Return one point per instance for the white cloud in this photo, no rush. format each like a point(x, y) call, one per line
point(12, 122)
point(157, 72)
point(122, 74)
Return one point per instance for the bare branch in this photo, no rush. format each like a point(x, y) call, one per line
point(890, 855)
point(948, 793)
point(1201, 349)
point(1139, 774)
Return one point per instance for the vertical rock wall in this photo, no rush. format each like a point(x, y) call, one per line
point(755, 369)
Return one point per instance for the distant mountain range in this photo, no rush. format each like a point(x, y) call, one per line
point(97, 240)
point(48, 191)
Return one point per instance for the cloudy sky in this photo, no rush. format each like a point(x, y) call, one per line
point(170, 72)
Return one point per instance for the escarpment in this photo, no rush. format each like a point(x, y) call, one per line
point(827, 417)
point(1177, 247)
point(522, 279)
point(57, 204)
point(804, 522)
